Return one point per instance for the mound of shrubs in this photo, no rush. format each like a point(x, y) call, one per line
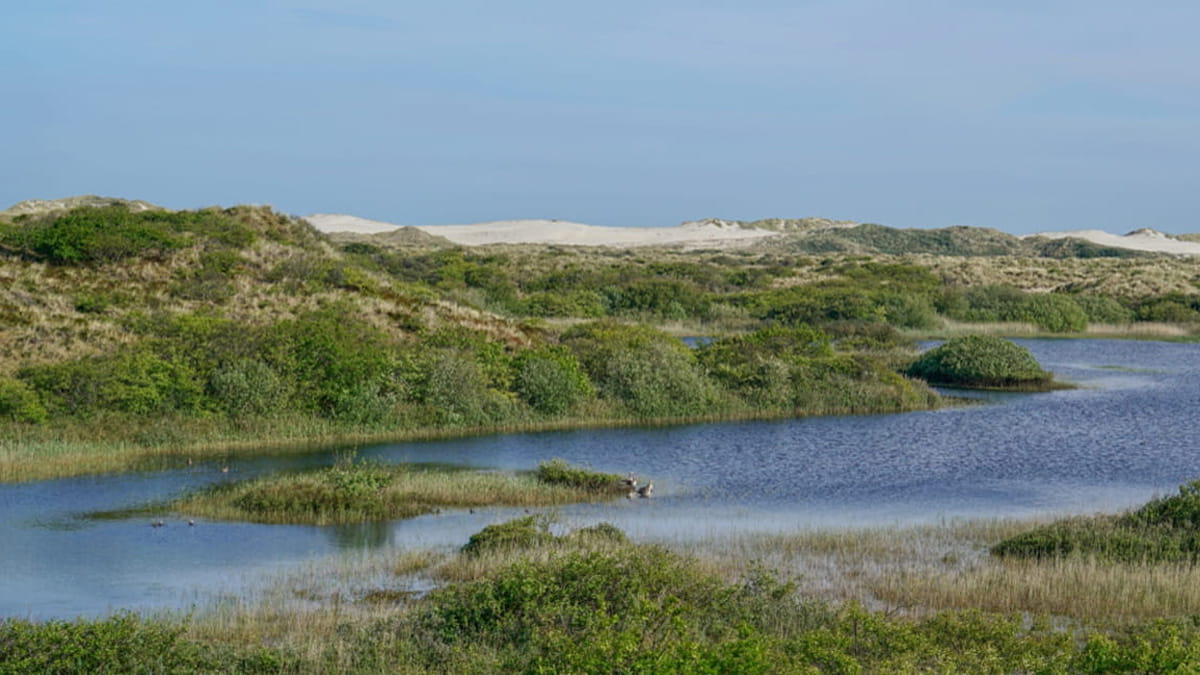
point(981, 362)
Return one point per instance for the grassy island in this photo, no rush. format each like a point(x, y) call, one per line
point(358, 491)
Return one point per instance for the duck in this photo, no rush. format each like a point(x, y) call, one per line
point(630, 480)
point(645, 490)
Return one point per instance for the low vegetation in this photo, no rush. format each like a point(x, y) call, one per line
point(358, 491)
point(535, 602)
point(1164, 530)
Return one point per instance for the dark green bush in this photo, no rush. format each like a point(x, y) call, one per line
point(559, 472)
point(550, 380)
point(518, 533)
point(134, 380)
point(248, 388)
point(1102, 309)
point(980, 361)
point(1050, 311)
point(19, 403)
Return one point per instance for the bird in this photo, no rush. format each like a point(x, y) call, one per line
point(225, 469)
point(645, 490)
point(630, 480)
point(191, 523)
point(156, 523)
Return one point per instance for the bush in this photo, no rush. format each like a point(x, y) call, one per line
point(551, 380)
point(248, 388)
point(1163, 530)
point(980, 361)
point(133, 380)
point(518, 533)
point(19, 403)
point(1051, 311)
point(1102, 309)
point(558, 472)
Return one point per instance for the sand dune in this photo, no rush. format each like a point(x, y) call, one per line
point(1139, 240)
point(707, 233)
point(559, 232)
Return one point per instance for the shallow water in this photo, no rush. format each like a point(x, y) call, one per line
point(1127, 434)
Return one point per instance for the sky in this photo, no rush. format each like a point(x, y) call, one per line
point(1018, 115)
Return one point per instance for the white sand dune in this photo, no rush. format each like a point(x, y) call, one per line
point(698, 234)
point(1144, 239)
point(561, 232)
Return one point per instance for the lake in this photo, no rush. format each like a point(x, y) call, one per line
point(1129, 432)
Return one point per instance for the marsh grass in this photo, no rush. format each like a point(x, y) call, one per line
point(352, 491)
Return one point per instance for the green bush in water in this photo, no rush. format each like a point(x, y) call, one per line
point(980, 361)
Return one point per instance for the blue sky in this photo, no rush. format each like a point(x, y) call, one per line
point(1018, 115)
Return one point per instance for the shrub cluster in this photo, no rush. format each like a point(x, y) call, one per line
point(980, 361)
point(1163, 530)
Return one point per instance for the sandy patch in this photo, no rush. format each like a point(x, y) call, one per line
point(1138, 240)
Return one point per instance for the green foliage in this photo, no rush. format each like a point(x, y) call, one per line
point(1171, 308)
point(519, 533)
point(133, 380)
point(457, 389)
point(247, 388)
point(112, 233)
point(19, 403)
point(1053, 312)
point(1102, 309)
point(123, 643)
point(650, 372)
point(340, 365)
point(640, 609)
point(559, 472)
point(980, 361)
point(815, 305)
point(349, 491)
point(1163, 530)
point(550, 380)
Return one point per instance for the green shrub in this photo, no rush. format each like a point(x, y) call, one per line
point(980, 361)
point(1163, 530)
point(519, 533)
point(248, 388)
point(19, 403)
point(133, 380)
point(123, 643)
point(550, 380)
point(1103, 309)
point(559, 472)
point(1051, 311)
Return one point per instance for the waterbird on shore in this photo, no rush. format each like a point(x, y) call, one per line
point(630, 480)
point(645, 490)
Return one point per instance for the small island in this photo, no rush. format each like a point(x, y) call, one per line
point(983, 362)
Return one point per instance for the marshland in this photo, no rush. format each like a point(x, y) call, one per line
point(278, 451)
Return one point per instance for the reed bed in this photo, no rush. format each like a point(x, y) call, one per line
point(349, 492)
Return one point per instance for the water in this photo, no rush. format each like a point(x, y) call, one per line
point(1127, 433)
